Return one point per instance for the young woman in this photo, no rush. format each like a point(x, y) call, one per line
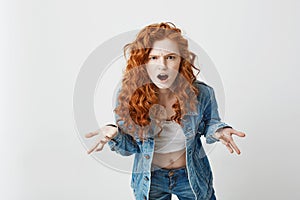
point(161, 112)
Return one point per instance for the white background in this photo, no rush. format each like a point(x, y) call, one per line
point(254, 44)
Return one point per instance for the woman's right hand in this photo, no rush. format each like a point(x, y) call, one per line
point(106, 133)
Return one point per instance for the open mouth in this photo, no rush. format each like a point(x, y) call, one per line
point(162, 77)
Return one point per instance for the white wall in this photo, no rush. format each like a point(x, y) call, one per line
point(253, 44)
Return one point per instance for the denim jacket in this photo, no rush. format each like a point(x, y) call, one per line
point(204, 122)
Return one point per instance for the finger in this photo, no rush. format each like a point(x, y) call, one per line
point(105, 140)
point(102, 144)
point(224, 141)
point(91, 134)
point(94, 147)
point(234, 146)
point(108, 138)
point(227, 144)
point(229, 148)
point(238, 133)
point(100, 147)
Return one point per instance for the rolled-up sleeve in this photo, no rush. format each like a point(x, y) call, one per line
point(123, 144)
point(211, 118)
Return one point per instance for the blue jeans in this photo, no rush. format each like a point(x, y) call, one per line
point(165, 182)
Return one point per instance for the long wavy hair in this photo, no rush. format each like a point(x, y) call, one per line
point(138, 103)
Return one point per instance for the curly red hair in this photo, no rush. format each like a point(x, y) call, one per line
point(139, 94)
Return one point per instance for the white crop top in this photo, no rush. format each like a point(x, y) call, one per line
point(171, 138)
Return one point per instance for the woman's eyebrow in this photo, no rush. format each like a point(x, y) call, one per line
point(169, 54)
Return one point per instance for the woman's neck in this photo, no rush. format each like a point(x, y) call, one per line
point(165, 96)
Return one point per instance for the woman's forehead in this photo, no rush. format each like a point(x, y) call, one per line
point(165, 46)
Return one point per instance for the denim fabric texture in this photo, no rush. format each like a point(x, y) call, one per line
point(204, 122)
point(165, 182)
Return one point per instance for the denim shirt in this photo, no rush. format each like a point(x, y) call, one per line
point(205, 122)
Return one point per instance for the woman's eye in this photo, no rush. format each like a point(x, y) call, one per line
point(171, 57)
point(152, 58)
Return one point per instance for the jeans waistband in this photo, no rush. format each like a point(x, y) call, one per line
point(164, 170)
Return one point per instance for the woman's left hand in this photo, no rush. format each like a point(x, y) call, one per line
point(225, 136)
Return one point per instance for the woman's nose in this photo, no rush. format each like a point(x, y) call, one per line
point(162, 63)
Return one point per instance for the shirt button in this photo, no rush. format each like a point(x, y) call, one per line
point(147, 156)
point(146, 178)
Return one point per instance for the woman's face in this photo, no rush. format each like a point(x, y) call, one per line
point(163, 63)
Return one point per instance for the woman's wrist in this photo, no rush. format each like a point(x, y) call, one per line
point(116, 130)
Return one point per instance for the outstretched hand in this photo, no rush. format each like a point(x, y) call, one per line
point(106, 133)
point(225, 136)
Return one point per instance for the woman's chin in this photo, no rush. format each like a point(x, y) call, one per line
point(163, 85)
